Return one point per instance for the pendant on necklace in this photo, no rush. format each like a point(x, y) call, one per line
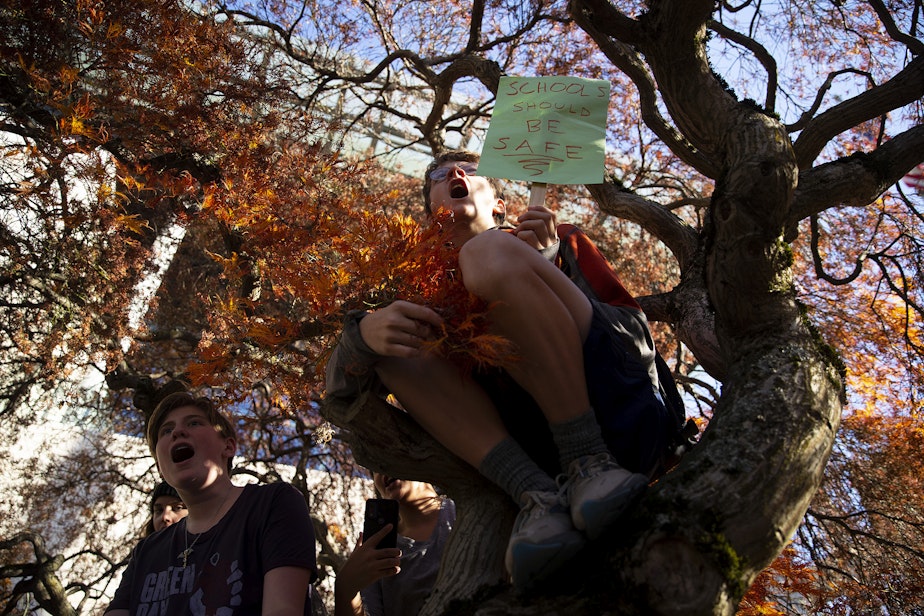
point(189, 547)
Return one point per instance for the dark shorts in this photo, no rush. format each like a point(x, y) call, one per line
point(635, 423)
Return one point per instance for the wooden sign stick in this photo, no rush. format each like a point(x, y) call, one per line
point(537, 193)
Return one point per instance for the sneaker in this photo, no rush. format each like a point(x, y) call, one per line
point(542, 540)
point(599, 491)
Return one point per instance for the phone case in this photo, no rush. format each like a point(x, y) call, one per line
point(379, 512)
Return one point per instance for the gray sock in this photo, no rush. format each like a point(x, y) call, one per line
point(509, 467)
point(578, 437)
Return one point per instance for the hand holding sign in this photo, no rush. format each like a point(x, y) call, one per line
point(547, 130)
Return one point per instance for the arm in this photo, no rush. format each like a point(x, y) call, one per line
point(365, 566)
point(285, 590)
point(346, 605)
point(286, 543)
point(350, 367)
point(397, 330)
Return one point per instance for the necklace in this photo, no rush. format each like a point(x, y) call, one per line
point(189, 547)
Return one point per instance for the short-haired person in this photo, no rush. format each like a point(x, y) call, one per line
point(240, 550)
point(397, 581)
point(167, 508)
point(542, 414)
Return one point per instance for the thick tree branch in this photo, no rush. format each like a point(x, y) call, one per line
point(673, 44)
point(39, 578)
point(384, 438)
point(677, 235)
point(856, 180)
point(905, 88)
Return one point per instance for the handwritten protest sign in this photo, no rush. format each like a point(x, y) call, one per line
point(547, 130)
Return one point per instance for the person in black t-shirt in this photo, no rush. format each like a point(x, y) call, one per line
point(241, 550)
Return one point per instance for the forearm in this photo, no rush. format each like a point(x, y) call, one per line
point(347, 602)
point(350, 369)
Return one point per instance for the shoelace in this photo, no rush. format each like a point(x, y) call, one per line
point(591, 465)
point(539, 503)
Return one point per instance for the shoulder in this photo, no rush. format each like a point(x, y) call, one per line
point(276, 487)
point(147, 549)
point(274, 510)
point(281, 495)
point(161, 537)
point(278, 491)
point(268, 499)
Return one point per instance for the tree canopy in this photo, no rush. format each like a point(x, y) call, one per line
point(752, 202)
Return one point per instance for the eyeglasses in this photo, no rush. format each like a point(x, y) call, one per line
point(441, 173)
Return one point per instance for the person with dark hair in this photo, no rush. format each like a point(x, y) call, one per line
point(397, 581)
point(557, 428)
point(240, 550)
point(166, 508)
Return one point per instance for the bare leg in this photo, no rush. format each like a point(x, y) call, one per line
point(446, 403)
point(542, 312)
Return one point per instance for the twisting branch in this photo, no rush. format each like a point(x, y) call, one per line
point(760, 52)
point(914, 45)
point(820, 96)
point(904, 292)
point(819, 265)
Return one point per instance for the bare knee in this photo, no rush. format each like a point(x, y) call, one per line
point(489, 260)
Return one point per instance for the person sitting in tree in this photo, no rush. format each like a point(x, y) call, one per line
point(561, 406)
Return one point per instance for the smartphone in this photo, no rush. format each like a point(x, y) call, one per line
point(379, 512)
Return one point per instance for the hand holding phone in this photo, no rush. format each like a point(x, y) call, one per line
point(379, 512)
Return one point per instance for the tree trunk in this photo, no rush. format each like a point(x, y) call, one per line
point(739, 496)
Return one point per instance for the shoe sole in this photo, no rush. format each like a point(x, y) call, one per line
point(601, 514)
point(534, 563)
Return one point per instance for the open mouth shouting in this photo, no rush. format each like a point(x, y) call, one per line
point(181, 452)
point(458, 188)
point(387, 484)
